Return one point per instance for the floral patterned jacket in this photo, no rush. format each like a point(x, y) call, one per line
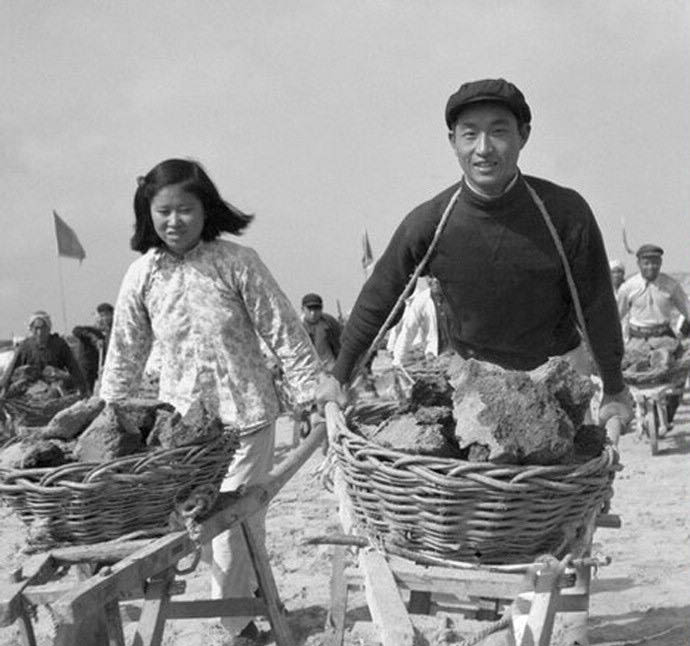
point(205, 310)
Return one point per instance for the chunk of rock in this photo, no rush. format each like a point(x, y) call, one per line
point(407, 434)
point(111, 435)
point(572, 391)
point(589, 442)
point(517, 420)
point(143, 413)
point(431, 390)
point(72, 421)
point(172, 430)
point(35, 455)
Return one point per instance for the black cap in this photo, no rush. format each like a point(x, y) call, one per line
point(649, 250)
point(497, 90)
point(312, 300)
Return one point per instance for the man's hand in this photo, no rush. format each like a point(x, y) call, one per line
point(329, 389)
point(619, 405)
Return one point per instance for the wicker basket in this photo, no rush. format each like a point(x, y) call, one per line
point(90, 502)
point(470, 511)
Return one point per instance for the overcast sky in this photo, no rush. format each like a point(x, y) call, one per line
point(322, 118)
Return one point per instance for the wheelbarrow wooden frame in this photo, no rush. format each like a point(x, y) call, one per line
point(538, 592)
point(88, 612)
point(650, 410)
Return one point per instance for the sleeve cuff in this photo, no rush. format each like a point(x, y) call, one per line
point(613, 381)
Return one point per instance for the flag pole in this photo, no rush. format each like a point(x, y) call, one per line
point(62, 295)
point(62, 286)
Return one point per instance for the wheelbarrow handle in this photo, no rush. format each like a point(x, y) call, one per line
point(614, 428)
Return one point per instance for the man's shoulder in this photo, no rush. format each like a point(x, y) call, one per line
point(330, 320)
point(668, 281)
point(425, 216)
point(436, 204)
point(568, 209)
point(631, 283)
point(548, 190)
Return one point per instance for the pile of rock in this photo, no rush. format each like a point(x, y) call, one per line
point(654, 360)
point(480, 412)
point(92, 431)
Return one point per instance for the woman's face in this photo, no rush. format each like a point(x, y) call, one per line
point(177, 217)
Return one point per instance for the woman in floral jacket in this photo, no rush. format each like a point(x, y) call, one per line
point(205, 301)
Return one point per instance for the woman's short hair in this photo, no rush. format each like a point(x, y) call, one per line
point(219, 215)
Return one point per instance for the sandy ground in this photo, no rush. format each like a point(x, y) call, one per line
point(643, 597)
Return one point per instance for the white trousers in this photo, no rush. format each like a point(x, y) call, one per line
point(232, 573)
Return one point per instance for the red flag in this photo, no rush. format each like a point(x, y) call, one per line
point(367, 256)
point(67, 242)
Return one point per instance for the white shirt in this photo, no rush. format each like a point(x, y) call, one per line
point(419, 326)
point(647, 304)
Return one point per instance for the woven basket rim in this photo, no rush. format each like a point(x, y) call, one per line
point(395, 459)
point(46, 480)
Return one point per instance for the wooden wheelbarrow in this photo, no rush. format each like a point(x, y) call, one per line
point(87, 612)
point(547, 602)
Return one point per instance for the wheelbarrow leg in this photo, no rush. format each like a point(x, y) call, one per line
point(27, 637)
point(339, 591)
point(264, 575)
point(153, 613)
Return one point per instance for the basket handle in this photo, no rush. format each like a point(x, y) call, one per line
point(579, 314)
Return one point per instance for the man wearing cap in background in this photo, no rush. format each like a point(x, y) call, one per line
point(651, 298)
point(42, 349)
point(617, 269)
point(496, 260)
point(647, 303)
point(323, 329)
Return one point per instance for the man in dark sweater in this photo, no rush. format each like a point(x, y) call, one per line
point(323, 329)
point(497, 263)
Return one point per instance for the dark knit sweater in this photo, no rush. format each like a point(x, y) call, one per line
point(502, 278)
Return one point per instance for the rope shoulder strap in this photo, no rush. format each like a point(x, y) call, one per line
point(566, 265)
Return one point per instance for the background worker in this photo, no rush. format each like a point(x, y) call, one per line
point(648, 302)
point(617, 269)
point(93, 343)
point(497, 261)
point(41, 349)
point(651, 298)
point(323, 329)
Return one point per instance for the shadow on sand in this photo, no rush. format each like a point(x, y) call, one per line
point(675, 443)
point(613, 584)
point(653, 627)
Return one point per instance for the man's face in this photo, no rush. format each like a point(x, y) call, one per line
point(104, 320)
point(312, 313)
point(487, 142)
point(650, 266)
point(40, 331)
point(617, 277)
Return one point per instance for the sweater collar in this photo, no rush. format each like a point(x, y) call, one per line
point(485, 196)
point(493, 203)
